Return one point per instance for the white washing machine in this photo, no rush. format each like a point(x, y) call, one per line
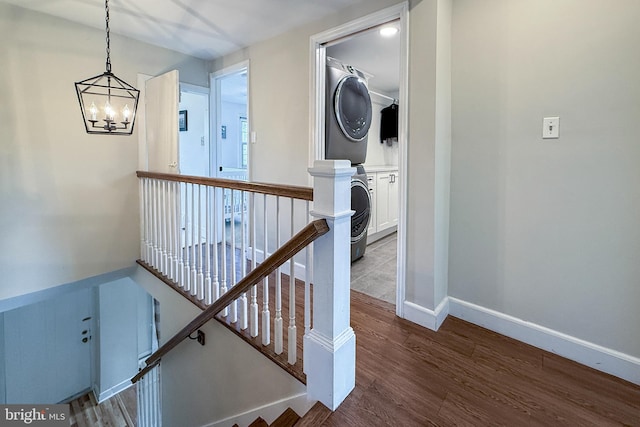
point(348, 113)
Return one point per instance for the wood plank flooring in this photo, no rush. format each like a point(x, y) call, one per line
point(118, 411)
point(466, 375)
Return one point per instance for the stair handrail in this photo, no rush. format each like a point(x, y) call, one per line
point(292, 191)
point(295, 244)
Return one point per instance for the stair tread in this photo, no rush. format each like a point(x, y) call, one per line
point(259, 422)
point(315, 417)
point(287, 419)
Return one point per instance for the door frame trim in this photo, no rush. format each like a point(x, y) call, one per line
point(214, 110)
point(317, 58)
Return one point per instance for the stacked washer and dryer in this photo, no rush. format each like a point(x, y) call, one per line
point(347, 121)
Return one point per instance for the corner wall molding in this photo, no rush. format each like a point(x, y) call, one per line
point(431, 319)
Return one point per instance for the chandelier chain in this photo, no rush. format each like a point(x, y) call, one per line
point(106, 7)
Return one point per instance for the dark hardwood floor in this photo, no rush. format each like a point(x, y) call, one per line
point(466, 375)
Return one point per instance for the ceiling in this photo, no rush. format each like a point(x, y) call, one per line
point(205, 29)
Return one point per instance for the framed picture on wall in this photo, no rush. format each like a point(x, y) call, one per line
point(182, 120)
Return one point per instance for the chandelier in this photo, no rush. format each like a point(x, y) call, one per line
point(108, 103)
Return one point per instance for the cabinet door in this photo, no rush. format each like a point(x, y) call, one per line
point(382, 202)
point(371, 182)
point(394, 190)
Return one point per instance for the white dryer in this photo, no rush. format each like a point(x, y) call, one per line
point(348, 113)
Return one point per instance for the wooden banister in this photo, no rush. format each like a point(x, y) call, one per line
point(294, 245)
point(292, 191)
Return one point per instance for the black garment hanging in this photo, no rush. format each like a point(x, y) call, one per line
point(389, 124)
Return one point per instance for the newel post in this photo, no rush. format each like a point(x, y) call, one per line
point(330, 346)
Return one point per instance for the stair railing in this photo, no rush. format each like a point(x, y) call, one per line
point(303, 238)
point(186, 242)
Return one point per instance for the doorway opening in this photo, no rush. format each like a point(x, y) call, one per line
point(231, 156)
point(353, 43)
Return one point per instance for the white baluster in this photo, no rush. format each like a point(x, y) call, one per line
point(277, 321)
point(200, 292)
point(266, 314)
point(223, 261)
point(292, 331)
point(194, 241)
point(233, 307)
point(253, 309)
point(242, 301)
point(143, 223)
point(164, 227)
point(156, 225)
point(176, 232)
point(169, 215)
point(182, 240)
point(185, 214)
point(214, 217)
point(208, 287)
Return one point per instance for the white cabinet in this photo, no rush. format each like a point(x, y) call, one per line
point(384, 189)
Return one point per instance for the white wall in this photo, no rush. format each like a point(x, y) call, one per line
point(379, 154)
point(194, 142)
point(547, 230)
point(69, 200)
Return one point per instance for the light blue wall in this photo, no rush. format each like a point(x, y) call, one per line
point(3, 381)
point(118, 336)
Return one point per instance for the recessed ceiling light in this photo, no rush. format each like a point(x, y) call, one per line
point(388, 31)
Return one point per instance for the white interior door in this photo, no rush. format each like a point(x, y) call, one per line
point(48, 349)
point(162, 95)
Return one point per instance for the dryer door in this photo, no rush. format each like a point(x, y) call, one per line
point(352, 106)
point(361, 204)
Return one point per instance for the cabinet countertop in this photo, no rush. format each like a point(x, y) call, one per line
point(380, 168)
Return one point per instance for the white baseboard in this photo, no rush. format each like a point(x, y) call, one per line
point(269, 413)
point(595, 356)
point(299, 269)
point(431, 319)
point(106, 394)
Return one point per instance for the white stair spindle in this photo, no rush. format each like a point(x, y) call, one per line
point(154, 230)
point(266, 314)
point(292, 331)
point(185, 218)
point(164, 227)
point(175, 228)
point(277, 321)
point(208, 287)
point(181, 242)
point(253, 308)
point(233, 307)
point(242, 301)
point(200, 292)
point(143, 223)
point(223, 258)
point(169, 212)
point(214, 241)
point(194, 225)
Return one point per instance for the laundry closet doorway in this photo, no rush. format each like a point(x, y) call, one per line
point(387, 160)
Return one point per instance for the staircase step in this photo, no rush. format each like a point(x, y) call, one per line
point(288, 418)
point(315, 417)
point(259, 422)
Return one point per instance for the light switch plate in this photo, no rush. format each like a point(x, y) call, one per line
point(550, 127)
